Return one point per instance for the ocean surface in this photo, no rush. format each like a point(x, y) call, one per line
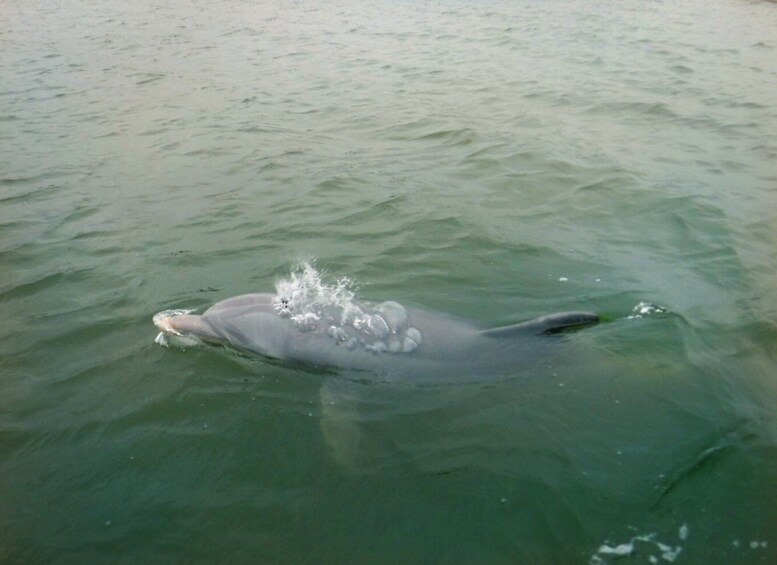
point(493, 160)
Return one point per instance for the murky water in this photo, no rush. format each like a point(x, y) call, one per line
point(491, 160)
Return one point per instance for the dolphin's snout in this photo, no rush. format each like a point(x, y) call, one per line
point(178, 328)
point(183, 324)
point(164, 322)
point(168, 321)
point(166, 325)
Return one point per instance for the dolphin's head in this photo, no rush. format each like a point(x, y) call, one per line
point(181, 328)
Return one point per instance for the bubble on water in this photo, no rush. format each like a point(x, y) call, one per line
point(415, 335)
point(374, 324)
point(394, 315)
point(337, 333)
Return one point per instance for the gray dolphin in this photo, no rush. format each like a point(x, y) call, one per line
point(386, 338)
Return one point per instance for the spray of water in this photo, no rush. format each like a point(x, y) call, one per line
point(312, 303)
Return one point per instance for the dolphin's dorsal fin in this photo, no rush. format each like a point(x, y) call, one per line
point(552, 323)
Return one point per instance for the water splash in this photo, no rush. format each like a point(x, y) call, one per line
point(313, 304)
point(645, 309)
point(306, 298)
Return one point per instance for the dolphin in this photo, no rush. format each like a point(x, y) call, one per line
point(385, 338)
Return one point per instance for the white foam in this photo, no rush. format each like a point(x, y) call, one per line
point(312, 304)
point(646, 542)
point(644, 309)
point(305, 292)
point(620, 550)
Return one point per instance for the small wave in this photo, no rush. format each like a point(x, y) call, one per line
point(464, 136)
point(633, 109)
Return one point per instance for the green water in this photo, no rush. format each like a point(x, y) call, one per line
point(493, 160)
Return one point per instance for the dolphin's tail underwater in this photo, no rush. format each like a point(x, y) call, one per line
point(550, 324)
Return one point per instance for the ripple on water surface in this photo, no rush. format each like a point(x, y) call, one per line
point(495, 162)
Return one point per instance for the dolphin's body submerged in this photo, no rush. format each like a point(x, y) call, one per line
point(386, 338)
